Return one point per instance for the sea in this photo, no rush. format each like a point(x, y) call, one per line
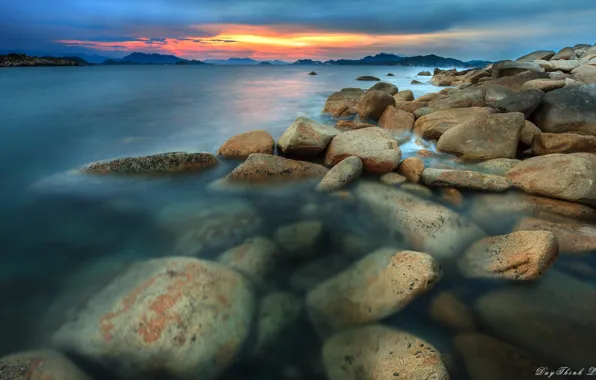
point(63, 234)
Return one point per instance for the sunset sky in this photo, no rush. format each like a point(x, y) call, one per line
point(289, 30)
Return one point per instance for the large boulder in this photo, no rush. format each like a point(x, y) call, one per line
point(376, 147)
point(470, 97)
point(174, 162)
point(573, 238)
point(537, 55)
point(373, 104)
point(255, 258)
point(379, 352)
point(174, 317)
point(515, 82)
point(475, 75)
point(411, 168)
point(584, 69)
point(380, 284)
point(508, 68)
point(548, 143)
point(524, 102)
point(39, 365)
point(564, 54)
point(426, 225)
point(396, 120)
point(389, 88)
point(351, 125)
point(408, 106)
point(465, 179)
point(404, 96)
point(368, 78)
point(494, 136)
point(564, 176)
point(570, 109)
point(544, 85)
point(306, 137)
point(498, 166)
point(259, 168)
point(496, 93)
point(564, 66)
point(243, 145)
point(347, 97)
point(300, 239)
point(433, 125)
point(342, 174)
point(527, 134)
point(522, 255)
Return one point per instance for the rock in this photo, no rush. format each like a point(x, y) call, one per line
point(497, 93)
point(348, 97)
point(405, 96)
point(393, 179)
point(584, 69)
point(378, 285)
point(351, 125)
point(410, 106)
point(345, 112)
point(525, 316)
point(546, 65)
point(488, 358)
point(452, 196)
point(528, 132)
point(447, 309)
point(448, 91)
point(312, 73)
point(433, 125)
point(558, 75)
point(514, 82)
point(570, 177)
point(376, 147)
point(429, 97)
point(390, 75)
point(427, 226)
point(255, 258)
point(494, 136)
point(548, 143)
point(39, 365)
point(414, 81)
point(424, 73)
point(278, 311)
point(573, 238)
point(373, 104)
point(565, 53)
point(425, 153)
point(411, 168)
point(299, 239)
point(499, 166)
point(204, 227)
point(475, 75)
point(389, 88)
point(537, 55)
point(342, 174)
point(522, 255)
point(368, 78)
point(396, 120)
point(378, 352)
point(306, 137)
point(174, 162)
point(508, 68)
point(243, 145)
point(565, 66)
point(587, 78)
point(259, 168)
point(465, 179)
point(422, 112)
point(470, 97)
point(318, 270)
point(148, 320)
point(524, 102)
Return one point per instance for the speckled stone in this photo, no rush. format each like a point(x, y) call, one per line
point(39, 365)
point(243, 145)
point(261, 168)
point(465, 179)
point(158, 163)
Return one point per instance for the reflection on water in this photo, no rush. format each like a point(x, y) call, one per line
point(66, 236)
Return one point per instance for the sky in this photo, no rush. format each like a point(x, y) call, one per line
point(295, 29)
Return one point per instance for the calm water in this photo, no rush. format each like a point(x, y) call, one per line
point(64, 234)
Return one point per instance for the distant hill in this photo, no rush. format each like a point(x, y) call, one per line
point(381, 59)
point(22, 60)
point(385, 59)
point(232, 61)
point(91, 58)
point(150, 59)
point(307, 62)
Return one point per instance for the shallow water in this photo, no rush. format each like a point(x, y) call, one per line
point(64, 235)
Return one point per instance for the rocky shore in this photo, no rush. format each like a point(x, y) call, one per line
point(22, 60)
point(501, 189)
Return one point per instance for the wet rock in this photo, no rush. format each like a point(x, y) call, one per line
point(475, 75)
point(393, 179)
point(174, 162)
point(201, 228)
point(368, 78)
point(570, 109)
point(404, 96)
point(390, 75)
point(497, 93)
point(351, 125)
point(278, 311)
point(380, 284)
point(316, 271)
point(414, 81)
point(465, 179)
point(411, 168)
point(452, 196)
point(585, 77)
point(345, 112)
point(342, 174)
point(379, 352)
point(243, 145)
point(446, 308)
point(347, 97)
point(432, 126)
point(427, 226)
point(574, 238)
point(312, 73)
point(39, 365)
point(306, 137)
point(564, 66)
point(259, 168)
point(428, 97)
point(499, 166)
point(548, 143)
point(470, 97)
point(376, 147)
point(515, 82)
point(565, 53)
point(255, 258)
point(488, 358)
point(396, 120)
point(424, 73)
point(300, 239)
point(537, 55)
point(528, 132)
point(557, 75)
point(410, 107)
point(564, 176)
point(494, 136)
point(524, 102)
point(508, 68)
point(373, 104)
point(526, 316)
point(389, 88)
point(544, 85)
point(176, 317)
point(521, 255)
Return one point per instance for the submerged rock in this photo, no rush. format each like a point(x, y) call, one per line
point(300, 239)
point(396, 120)
point(424, 73)
point(549, 143)
point(306, 137)
point(379, 352)
point(393, 179)
point(158, 163)
point(465, 179)
point(389, 88)
point(277, 312)
point(347, 97)
point(574, 238)
point(411, 168)
point(243, 145)
point(447, 309)
point(39, 365)
point(432, 126)
point(380, 284)
point(259, 168)
point(368, 78)
point(342, 174)
point(176, 317)
point(499, 166)
point(571, 109)
point(373, 104)
point(255, 258)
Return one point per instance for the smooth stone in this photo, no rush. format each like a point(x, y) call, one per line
point(368, 78)
point(515, 82)
point(564, 54)
point(424, 73)
point(585, 78)
point(470, 97)
point(265, 168)
point(548, 143)
point(509, 68)
point(557, 75)
point(404, 96)
point(174, 162)
point(499, 166)
point(393, 179)
point(574, 238)
point(452, 196)
point(434, 125)
point(318, 270)
point(306, 137)
point(545, 85)
point(411, 168)
point(351, 125)
point(497, 93)
point(373, 104)
point(414, 81)
point(410, 107)
point(241, 146)
point(521, 255)
point(347, 97)
point(278, 311)
point(465, 179)
point(342, 174)
point(344, 112)
point(428, 97)
point(312, 73)
point(475, 75)
point(39, 365)
point(537, 55)
point(255, 258)
point(389, 88)
point(299, 239)
point(449, 310)
point(584, 69)
point(396, 120)
point(528, 132)
point(524, 102)
point(422, 112)
point(564, 65)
